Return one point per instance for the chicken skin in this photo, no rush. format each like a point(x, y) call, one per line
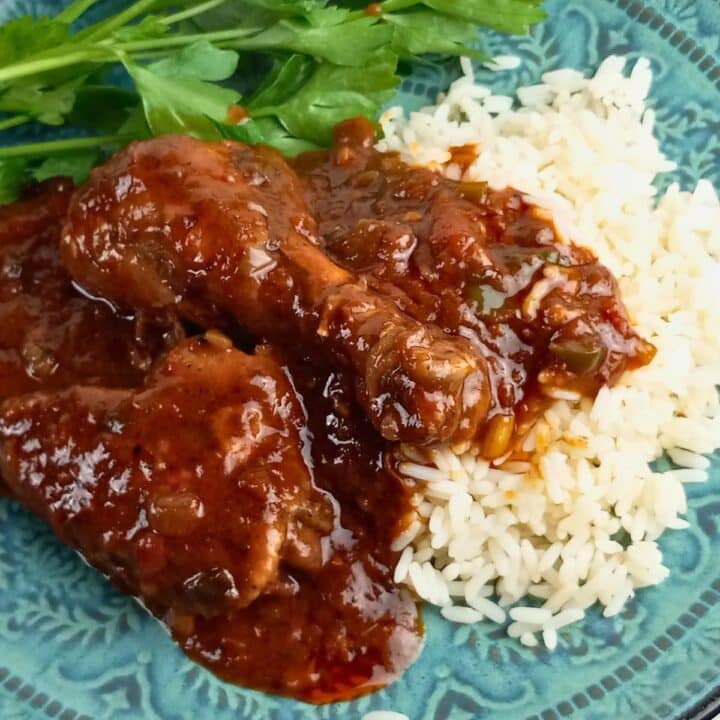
point(221, 231)
point(199, 519)
point(197, 494)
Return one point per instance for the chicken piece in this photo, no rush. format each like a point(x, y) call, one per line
point(192, 494)
point(480, 263)
point(222, 231)
point(51, 336)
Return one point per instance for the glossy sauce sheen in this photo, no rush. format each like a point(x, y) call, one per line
point(261, 575)
point(221, 232)
point(157, 511)
point(50, 335)
point(348, 629)
point(248, 500)
point(481, 264)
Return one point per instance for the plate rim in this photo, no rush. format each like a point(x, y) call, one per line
point(641, 11)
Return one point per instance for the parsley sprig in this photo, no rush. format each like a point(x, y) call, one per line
point(186, 60)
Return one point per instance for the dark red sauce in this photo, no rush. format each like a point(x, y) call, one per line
point(139, 482)
point(50, 335)
point(248, 499)
point(250, 528)
point(481, 264)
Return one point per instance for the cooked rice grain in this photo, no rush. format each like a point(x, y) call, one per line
point(583, 149)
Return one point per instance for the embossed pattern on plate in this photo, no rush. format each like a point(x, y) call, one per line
point(72, 648)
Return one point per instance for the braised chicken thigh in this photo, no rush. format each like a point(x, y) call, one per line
point(196, 494)
point(253, 499)
point(194, 519)
point(52, 336)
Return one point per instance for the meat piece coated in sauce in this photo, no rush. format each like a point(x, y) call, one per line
point(249, 504)
point(51, 336)
point(481, 264)
point(222, 229)
point(208, 456)
point(352, 628)
point(196, 495)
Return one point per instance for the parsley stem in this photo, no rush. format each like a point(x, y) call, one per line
point(192, 12)
point(105, 51)
point(71, 13)
point(21, 69)
point(105, 28)
point(179, 40)
point(14, 121)
point(53, 147)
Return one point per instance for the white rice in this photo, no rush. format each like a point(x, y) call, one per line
point(578, 525)
point(500, 62)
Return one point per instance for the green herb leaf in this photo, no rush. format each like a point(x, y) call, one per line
point(354, 43)
point(76, 165)
point(200, 61)
point(266, 131)
point(334, 94)
point(330, 15)
point(175, 94)
point(284, 80)
point(24, 36)
point(49, 106)
point(423, 31)
point(508, 16)
point(179, 105)
point(319, 62)
point(288, 8)
point(136, 124)
point(149, 28)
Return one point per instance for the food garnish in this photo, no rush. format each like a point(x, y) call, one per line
point(152, 69)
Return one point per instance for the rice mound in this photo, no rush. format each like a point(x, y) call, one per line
point(579, 523)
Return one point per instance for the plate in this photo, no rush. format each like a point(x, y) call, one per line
point(72, 648)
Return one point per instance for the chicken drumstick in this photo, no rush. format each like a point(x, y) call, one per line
point(220, 231)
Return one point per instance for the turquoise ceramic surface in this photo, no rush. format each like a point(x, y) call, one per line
point(71, 647)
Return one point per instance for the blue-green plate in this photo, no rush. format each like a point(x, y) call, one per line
point(71, 647)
